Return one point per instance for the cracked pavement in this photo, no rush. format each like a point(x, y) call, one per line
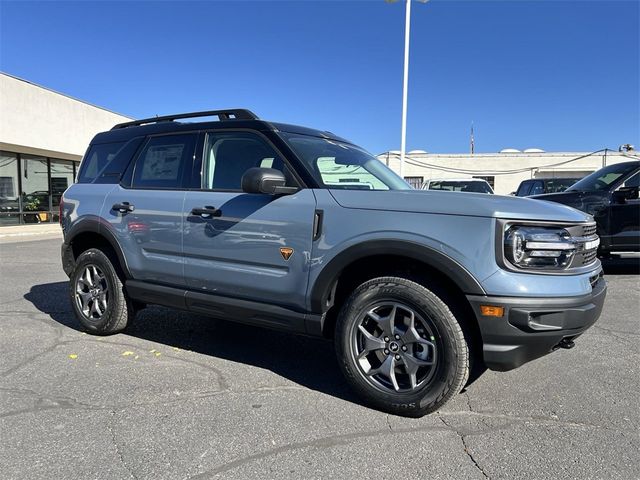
point(184, 396)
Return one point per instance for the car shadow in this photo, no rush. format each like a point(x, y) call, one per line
point(307, 361)
point(627, 265)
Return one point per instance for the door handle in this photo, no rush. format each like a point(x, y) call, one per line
point(206, 212)
point(124, 207)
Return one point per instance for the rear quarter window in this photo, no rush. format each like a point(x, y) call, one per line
point(97, 158)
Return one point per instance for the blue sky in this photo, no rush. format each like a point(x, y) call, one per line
point(557, 75)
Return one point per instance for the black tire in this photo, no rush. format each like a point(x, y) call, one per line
point(119, 310)
point(450, 372)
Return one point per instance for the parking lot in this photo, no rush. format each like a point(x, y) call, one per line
point(184, 396)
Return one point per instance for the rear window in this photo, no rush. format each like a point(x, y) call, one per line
point(96, 159)
point(460, 186)
point(524, 189)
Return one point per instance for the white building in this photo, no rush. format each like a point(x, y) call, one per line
point(504, 170)
point(43, 135)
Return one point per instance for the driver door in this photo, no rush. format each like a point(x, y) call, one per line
point(624, 217)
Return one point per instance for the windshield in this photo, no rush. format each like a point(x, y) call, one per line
point(340, 165)
point(460, 186)
point(603, 178)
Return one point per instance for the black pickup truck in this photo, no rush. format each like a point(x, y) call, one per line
point(611, 196)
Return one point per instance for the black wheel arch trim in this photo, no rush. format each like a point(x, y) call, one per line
point(326, 281)
point(93, 224)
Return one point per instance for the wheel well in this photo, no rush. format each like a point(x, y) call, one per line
point(86, 240)
point(430, 277)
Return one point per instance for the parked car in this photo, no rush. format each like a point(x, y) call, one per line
point(538, 186)
point(472, 185)
point(249, 221)
point(611, 196)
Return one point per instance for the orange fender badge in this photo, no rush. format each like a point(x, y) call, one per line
point(286, 252)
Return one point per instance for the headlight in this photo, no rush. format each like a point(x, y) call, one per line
point(538, 248)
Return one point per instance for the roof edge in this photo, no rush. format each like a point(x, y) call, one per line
point(62, 94)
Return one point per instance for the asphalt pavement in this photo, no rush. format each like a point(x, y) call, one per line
point(182, 396)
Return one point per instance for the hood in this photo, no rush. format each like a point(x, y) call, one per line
point(573, 199)
point(458, 203)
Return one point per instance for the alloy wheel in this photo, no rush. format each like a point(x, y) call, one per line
point(394, 347)
point(92, 293)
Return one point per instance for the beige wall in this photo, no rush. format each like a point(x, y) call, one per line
point(42, 122)
point(537, 165)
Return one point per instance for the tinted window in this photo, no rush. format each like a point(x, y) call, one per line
point(537, 189)
point(556, 185)
point(96, 159)
point(460, 186)
point(227, 156)
point(523, 189)
point(604, 178)
point(163, 161)
point(634, 181)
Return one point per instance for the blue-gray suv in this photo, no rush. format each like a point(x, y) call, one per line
point(287, 227)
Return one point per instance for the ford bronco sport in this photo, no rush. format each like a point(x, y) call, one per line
point(281, 226)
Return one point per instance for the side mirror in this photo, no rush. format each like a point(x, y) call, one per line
point(626, 193)
point(266, 180)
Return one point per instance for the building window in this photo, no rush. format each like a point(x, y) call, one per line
point(9, 196)
point(35, 189)
point(61, 179)
point(415, 182)
point(31, 187)
point(491, 180)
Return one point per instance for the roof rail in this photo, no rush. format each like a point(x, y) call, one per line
point(233, 113)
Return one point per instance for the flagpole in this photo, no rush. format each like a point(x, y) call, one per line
point(405, 85)
point(472, 142)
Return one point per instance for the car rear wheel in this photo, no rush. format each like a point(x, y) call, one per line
point(97, 294)
point(400, 347)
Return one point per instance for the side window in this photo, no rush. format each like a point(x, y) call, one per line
point(228, 155)
point(537, 189)
point(163, 161)
point(523, 189)
point(96, 159)
point(633, 181)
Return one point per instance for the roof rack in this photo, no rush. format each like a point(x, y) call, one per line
point(234, 113)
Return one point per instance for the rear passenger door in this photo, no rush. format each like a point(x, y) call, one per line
point(248, 246)
point(145, 211)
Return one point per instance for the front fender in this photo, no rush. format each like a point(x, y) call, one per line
point(320, 289)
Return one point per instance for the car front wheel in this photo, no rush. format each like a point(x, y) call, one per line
point(400, 347)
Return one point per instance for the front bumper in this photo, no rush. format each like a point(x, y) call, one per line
point(533, 327)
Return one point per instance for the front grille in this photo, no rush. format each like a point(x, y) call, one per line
point(582, 234)
point(588, 230)
point(588, 257)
